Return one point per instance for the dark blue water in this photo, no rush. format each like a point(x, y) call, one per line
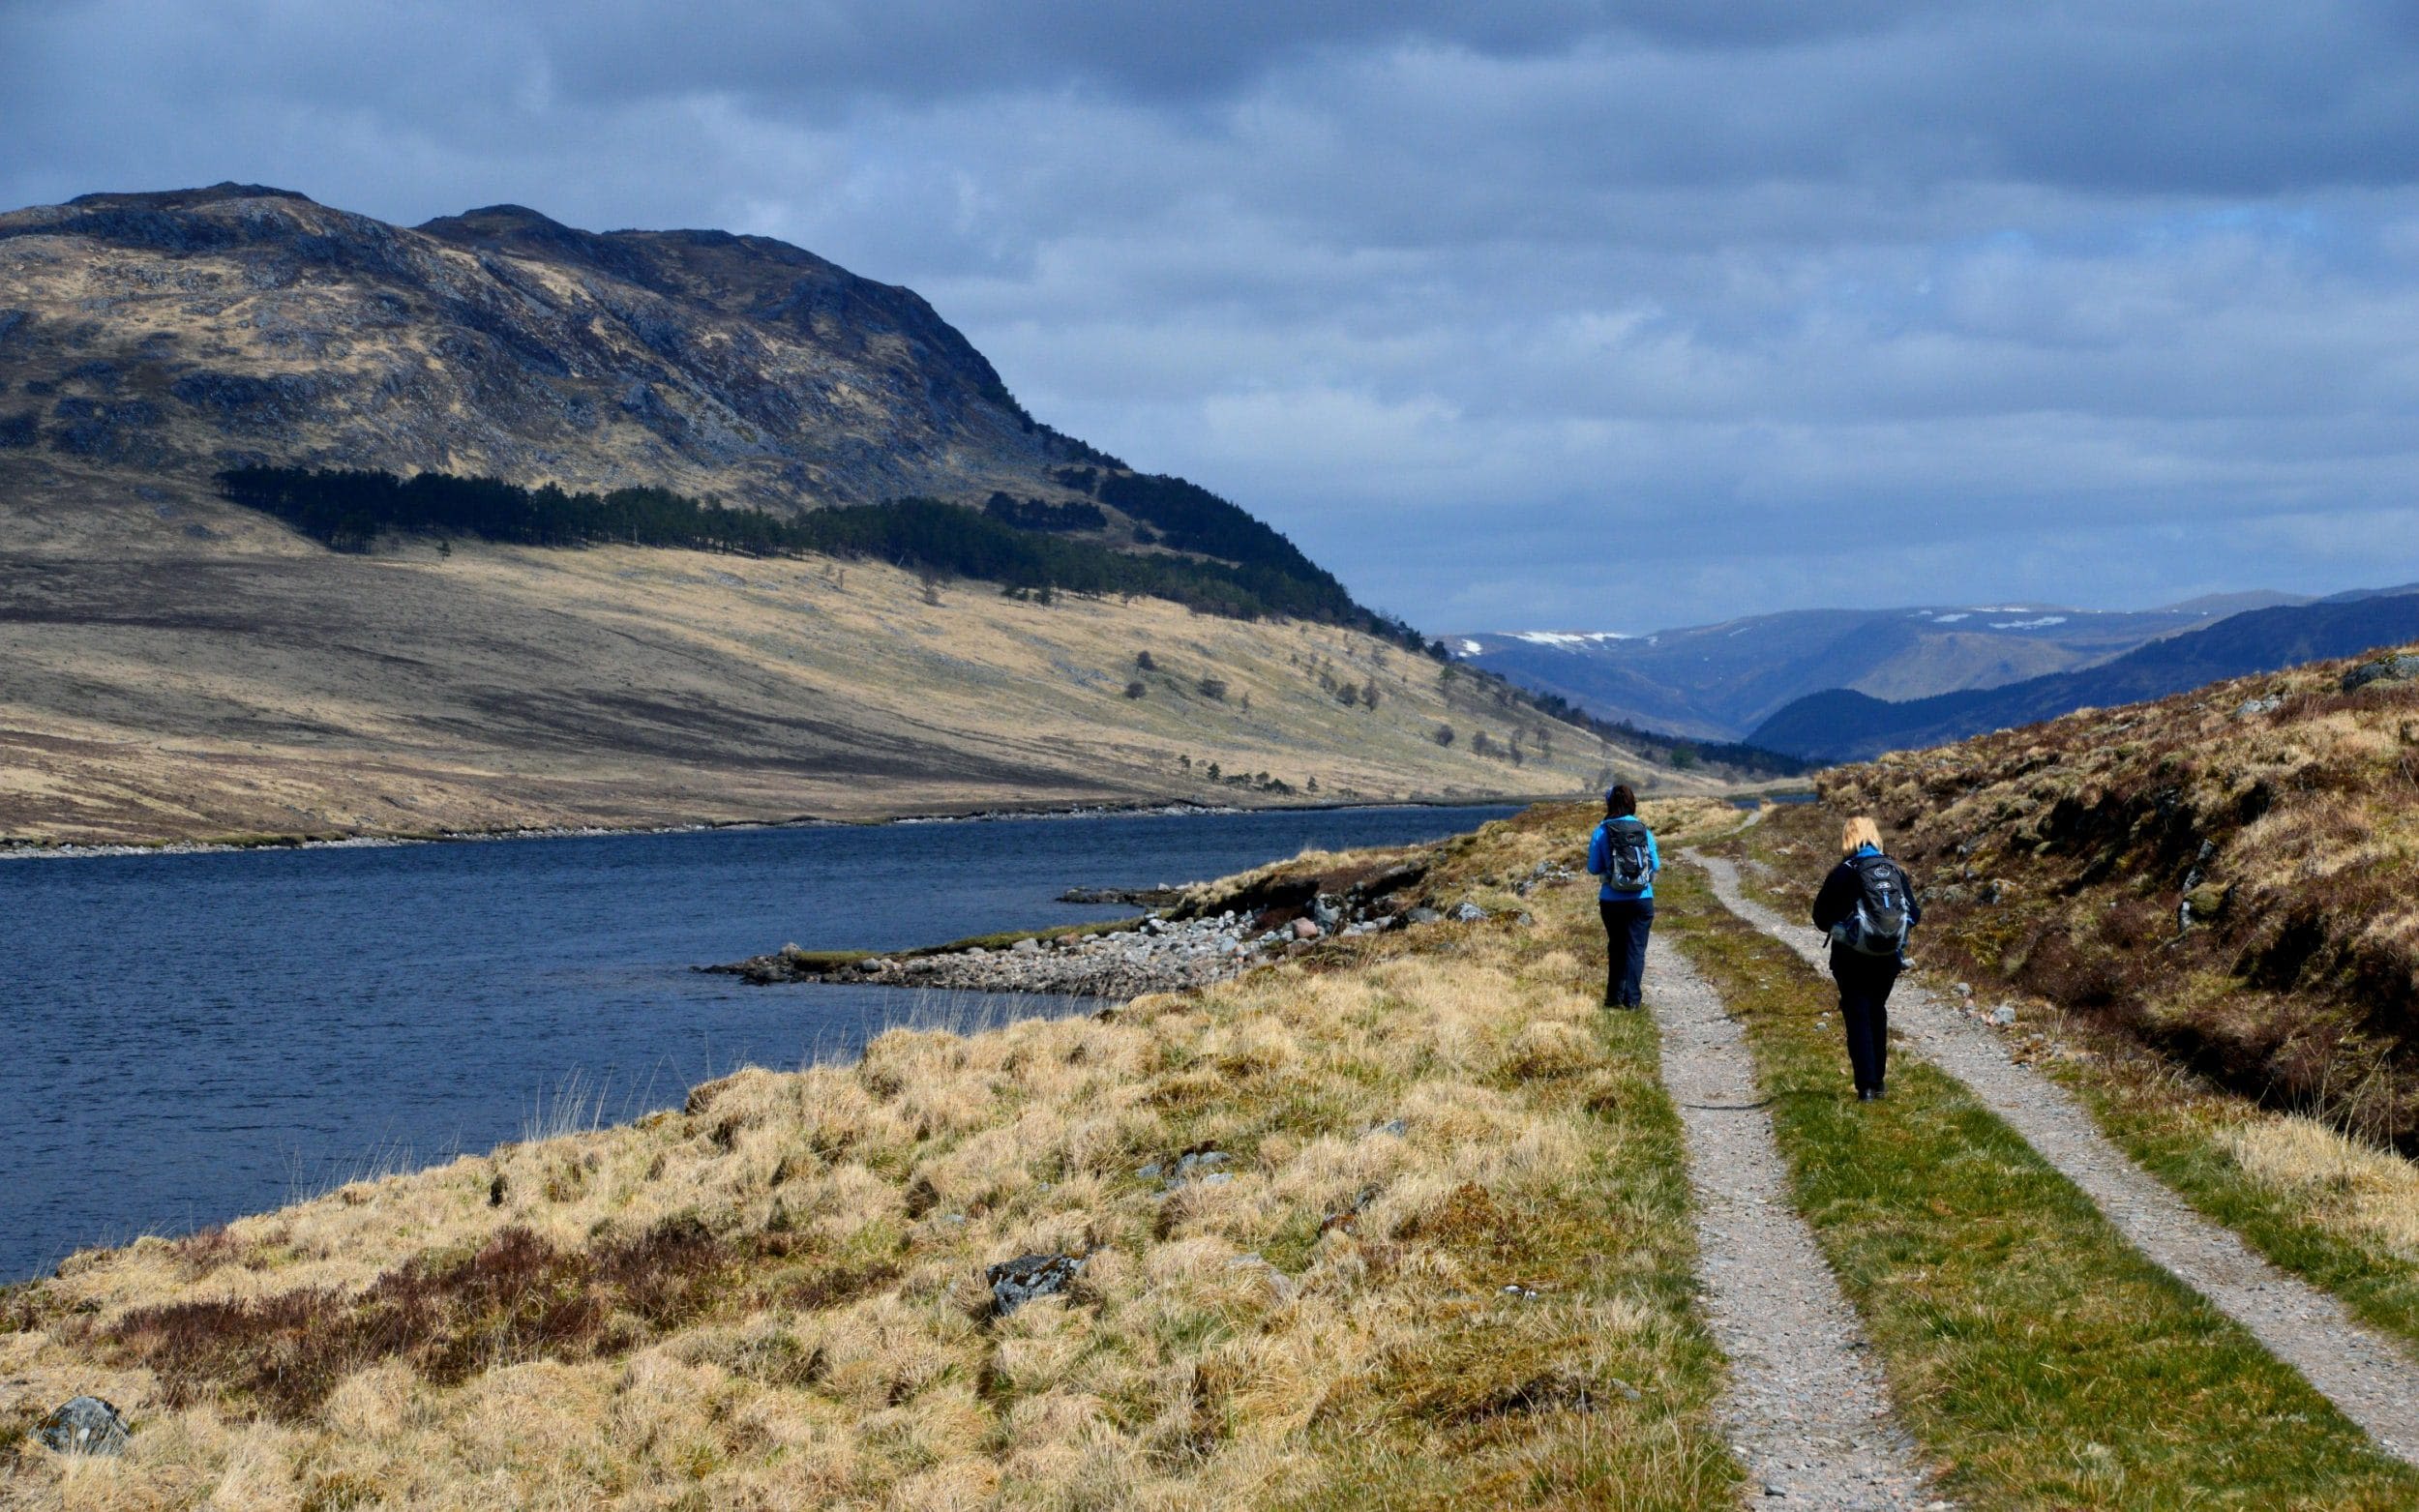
point(193, 1037)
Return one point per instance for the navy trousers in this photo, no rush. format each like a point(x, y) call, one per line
point(1627, 924)
point(1864, 984)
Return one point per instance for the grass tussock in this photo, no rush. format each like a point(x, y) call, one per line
point(2039, 1358)
point(777, 1296)
point(2225, 874)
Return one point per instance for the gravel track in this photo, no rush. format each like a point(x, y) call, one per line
point(2365, 1375)
point(1807, 1408)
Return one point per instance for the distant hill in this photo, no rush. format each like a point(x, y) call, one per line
point(314, 525)
point(1719, 682)
point(1841, 724)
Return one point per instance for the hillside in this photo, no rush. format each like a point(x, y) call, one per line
point(183, 334)
point(190, 330)
point(295, 690)
point(384, 659)
point(1843, 724)
point(2223, 875)
point(1720, 681)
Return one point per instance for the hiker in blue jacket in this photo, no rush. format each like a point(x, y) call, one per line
point(1623, 852)
point(1866, 906)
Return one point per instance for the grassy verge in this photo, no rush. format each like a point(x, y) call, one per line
point(2036, 1355)
point(778, 1296)
point(2340, 1214)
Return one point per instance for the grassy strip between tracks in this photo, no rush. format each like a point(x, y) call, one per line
point(2039, 1358)
point(2340, 1213)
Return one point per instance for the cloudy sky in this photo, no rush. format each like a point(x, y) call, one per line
point(1580, 314)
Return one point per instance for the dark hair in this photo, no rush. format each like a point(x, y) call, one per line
point(1620, 801)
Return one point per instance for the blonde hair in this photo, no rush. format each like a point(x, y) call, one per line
point(1861, 831)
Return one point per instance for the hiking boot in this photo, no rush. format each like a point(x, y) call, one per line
point(1868, 1094)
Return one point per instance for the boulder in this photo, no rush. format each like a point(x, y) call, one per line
point(1027, 947)
point(1467, 912)
point(1019, 1281)
point(1422, 915)
point(2399, 669)
point(1305, 928)
point(84, 1425)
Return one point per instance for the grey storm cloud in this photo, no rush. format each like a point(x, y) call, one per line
point(1585, 313)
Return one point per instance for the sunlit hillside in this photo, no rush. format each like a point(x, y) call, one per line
point(157, 685)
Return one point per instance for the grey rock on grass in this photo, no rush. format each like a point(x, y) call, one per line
point(1019, 1281)
point(2384, 669)
point(84, 1425)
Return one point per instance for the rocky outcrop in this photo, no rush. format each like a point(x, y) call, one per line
point(2400, 668)
point(1216, 932)
point(198, 329)
point(1154, 955)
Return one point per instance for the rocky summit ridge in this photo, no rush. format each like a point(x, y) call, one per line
point(191, 330)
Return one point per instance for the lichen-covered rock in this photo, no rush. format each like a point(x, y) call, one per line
point(2400, 668)
point(1019, 1281)
point(84, 1425)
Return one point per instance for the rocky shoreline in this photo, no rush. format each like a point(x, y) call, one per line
point(1187, 945)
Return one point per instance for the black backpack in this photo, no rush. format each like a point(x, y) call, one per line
point(1877, 926)
point(1627, 865)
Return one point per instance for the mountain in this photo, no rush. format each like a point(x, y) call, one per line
point(1720, 681)
point(923, 601)
point(1843, 724)
point(196, 329)
point(237, 327)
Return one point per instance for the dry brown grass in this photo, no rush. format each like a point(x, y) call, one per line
point(776, 1295)
point(160, 689)
point(2334, 1180)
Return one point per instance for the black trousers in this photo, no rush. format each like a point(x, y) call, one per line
point(1626, 923)
point(1864, 984)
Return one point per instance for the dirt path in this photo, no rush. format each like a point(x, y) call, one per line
point(2374, 1383)
point(1807, 1408)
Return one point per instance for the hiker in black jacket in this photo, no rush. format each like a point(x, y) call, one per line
point(1867, 904)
